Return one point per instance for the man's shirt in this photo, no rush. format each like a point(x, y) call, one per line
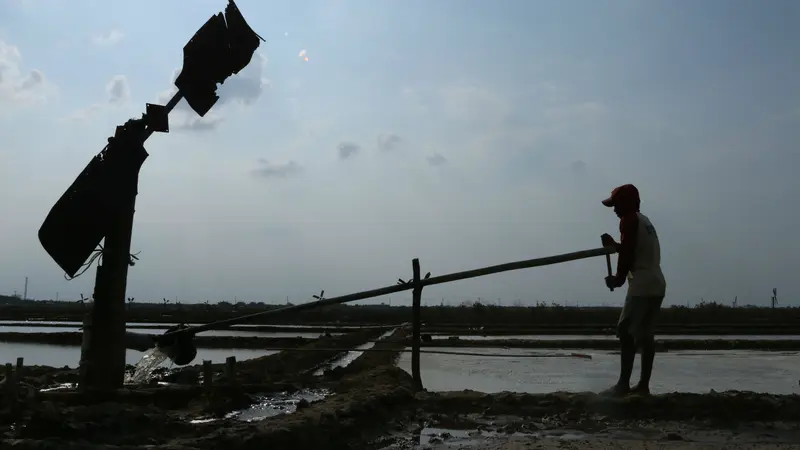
point(640, 256)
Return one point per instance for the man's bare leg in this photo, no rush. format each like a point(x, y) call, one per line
point(648, 346)
point(627, 354)
point(647, 343)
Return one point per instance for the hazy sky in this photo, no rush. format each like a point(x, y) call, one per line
point(462, 132)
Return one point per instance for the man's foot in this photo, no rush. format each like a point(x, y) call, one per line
point(618, 390)
point(640, 390)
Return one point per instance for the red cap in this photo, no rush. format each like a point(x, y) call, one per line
point(624, 193)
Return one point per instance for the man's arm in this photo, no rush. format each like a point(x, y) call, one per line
point(626, 249)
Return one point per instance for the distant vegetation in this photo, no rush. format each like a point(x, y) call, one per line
point(468, 314)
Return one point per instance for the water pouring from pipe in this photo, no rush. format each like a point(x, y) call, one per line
point(178, 345)
point(175, 344)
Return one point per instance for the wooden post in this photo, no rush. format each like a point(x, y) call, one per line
point(124, 157)
point(230, 369)
point(20, 364)
point(208, 374)
point(10, 382)
point(416, 325)
point(108, 308)
point(86, 349)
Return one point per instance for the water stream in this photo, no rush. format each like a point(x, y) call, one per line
point(352, 355)
point(344, 360)
point(277, 404)
point(273, 405)
point(59, 387)
point(143, 369)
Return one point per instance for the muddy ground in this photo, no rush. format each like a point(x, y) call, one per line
point(371, 404)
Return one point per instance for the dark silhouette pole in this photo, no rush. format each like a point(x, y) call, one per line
point(100, 203)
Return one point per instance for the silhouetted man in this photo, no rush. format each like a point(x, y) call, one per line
point(639, 261)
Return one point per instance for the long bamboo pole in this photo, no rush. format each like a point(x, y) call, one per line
point(435, 352)
point(518, 265)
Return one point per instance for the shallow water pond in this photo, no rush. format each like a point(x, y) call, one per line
point(683, 371)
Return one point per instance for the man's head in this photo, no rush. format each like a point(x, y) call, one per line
point(624, 199)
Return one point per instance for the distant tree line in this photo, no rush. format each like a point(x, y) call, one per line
point(467, 313)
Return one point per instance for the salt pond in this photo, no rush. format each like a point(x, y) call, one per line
point(683, 371)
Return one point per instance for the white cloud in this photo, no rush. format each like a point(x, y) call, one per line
point(19, 87)
point(477, 121)
point(85, 113)
point(486, 125)
point(109, 39)
point(118, 90)
point(195, 123)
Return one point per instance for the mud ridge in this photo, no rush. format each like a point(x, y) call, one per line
point(362, 400)
point(725, 406)
point(390, 349)
point(282, 366)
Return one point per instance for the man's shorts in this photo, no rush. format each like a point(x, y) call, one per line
point(638, 317)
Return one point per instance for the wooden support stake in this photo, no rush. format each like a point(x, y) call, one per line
point(107, 369)
point(20, 364)
point(9, 379)
point(208, 374)
point(416, 324)
point(86, 351)
point(230, 369)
